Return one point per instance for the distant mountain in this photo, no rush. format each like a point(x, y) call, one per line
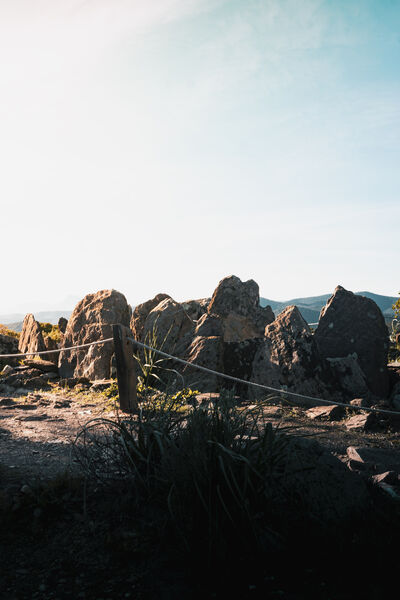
point(14, 320)
point(311, 307)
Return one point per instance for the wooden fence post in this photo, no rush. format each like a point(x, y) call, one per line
point(126, 368)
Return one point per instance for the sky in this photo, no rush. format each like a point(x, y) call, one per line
point(161, 145)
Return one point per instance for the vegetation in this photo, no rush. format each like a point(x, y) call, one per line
point(396, 308)
point(51, 331)
point(4, 330)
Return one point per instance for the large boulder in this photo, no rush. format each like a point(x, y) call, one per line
point(288, 357)
point(354, 325)
point(172, 327)
point(92, 320)
point(140, 314)
point(206, 352)
point(237, 303)
point(8, 345)
point(31, 339)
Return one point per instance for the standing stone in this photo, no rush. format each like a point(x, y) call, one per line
point(62, 324)
point(92, 320)
point(237, 303)
point(354, 325)
point(31, 338)
point(140, 314)
point(206, 352)
point(172, 326)
point(289, 358)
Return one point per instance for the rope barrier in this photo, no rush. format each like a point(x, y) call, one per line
point(211, 371)
point(57, 350)
point(260, 385)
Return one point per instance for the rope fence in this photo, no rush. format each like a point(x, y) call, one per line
point(211, 372)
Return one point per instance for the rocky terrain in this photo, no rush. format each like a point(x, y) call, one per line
point(45, 402)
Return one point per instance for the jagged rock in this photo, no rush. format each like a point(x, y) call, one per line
point(208, 326)
point(173, 327)
point(390, 477)
point(45, 366)
point(362, 422)
point(196, 308)
point(354, 325)
point(62, 324)
point(237, 361)
point(375, 459)
point(233, 299)
point(140, 314)
point(31, 338)
point(206, 352)
point(92, 320)
point(346, 375)
point(289, 358)
point(7, 370)
point(332, 412)
point(51, 345)
point(360, 402)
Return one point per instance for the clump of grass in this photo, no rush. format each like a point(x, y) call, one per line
point(212, 470)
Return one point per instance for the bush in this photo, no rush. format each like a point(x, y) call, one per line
point(214, 470)
point(4, 330)
point(51, 331)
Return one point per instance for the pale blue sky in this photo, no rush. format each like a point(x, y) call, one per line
point(161, 145)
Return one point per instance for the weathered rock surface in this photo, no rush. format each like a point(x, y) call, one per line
point(288, 356)
point(51, 344)
point(31, 338)
point(233, 299)
point(46, 366)
point(346, 376)
point(140, 314)
point(206, 352)
point(8, 345)
point(209, 326)
point(362, 422)
point(62, 324)
point(92, 320)
point(172, 326)
point(330, 412)
point(375, 459)
point(354, 325)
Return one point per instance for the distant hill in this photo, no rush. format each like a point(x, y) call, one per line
point(311, 307)
point(14, 320)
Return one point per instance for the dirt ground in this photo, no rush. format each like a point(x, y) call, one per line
point(37, 431)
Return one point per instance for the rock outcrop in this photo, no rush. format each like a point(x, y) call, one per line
point(354, 325)
point(288, 357)
point(31, 338)
point(92, 320)
point(62, 324)
point(140, 314)
point(237, 303)
point(8, 345)
point(171, 325)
